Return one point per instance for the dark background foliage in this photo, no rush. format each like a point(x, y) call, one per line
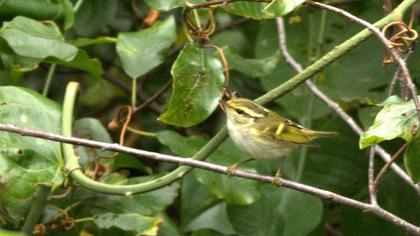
point(106, 45)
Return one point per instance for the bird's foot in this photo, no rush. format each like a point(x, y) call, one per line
point(231, 169)
point(277, 178)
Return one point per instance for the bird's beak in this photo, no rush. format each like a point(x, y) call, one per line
point(222, 105)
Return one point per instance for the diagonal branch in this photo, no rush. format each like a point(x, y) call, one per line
point(386, 167)
point(324, 194)
point(371, 176)
point(333, 105)
point(392, 51)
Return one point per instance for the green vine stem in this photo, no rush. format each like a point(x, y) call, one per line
point(134, 93)
point(49, 79)
point(73, 167)
point(141, 132)
point(77, 5)
point(37, 207)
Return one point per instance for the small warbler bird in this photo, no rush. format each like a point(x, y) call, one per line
point(262, 133)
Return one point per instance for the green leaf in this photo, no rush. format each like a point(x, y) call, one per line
point(195, 199)
point(91, 128)
point(83, 42)
point(260, 218)
point(232, 190)
point(68, 13)
point(164, 5)
point(214, 218)
point(248, 9)
point(301, 212)
point(396, 120)
point(128, 221)
point(282, 7)
point(279, 212)
point(197, 87)
point(252, 67)
point(83, 62)
point(412, 159)
point(18, 64)
point(258, 10)
point(30, 38)
point(26, 162)
point(126, 161)
point(89, 25)
point(394, 196)
point(144, 50)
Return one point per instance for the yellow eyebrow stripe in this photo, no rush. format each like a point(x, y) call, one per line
point(252, 113)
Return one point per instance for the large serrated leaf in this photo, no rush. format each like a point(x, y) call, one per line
point(396, 120)
point(26, 162)
point(197, 87)
point(144, 50)
point(30, 38)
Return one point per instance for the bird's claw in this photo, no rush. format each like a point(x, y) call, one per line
point(231, 169)
point(277, 178)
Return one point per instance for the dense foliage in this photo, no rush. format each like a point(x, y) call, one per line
point(113, 48)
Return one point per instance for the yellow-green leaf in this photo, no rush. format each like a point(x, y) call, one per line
point(396, 120)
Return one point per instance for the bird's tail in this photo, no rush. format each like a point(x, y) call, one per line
point(319, 134)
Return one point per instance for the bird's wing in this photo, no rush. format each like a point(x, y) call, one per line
point(286, 130)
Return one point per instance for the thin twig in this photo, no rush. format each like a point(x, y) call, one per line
point(392, 51)
point(324, 194)
point(371, 176)
point(386, 167)
point(213, 3)
point(396, 78)
point(155, 108)
point(333, 105)
point(151, 99)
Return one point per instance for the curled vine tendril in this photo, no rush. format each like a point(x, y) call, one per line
point(401, 36)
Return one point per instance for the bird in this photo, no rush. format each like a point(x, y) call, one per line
point(263, 134)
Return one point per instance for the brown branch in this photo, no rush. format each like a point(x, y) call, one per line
point(392, 51)
point(386, 166)
point(324, 194)
point(333, 105)
point(151, 99)
point(213, 3)
point(371, 176)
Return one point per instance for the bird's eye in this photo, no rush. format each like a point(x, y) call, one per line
point(239, 111)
